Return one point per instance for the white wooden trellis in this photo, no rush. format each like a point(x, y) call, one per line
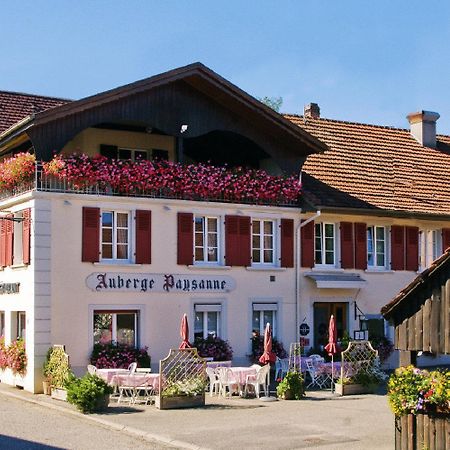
point(295, 357)
point(359, 358)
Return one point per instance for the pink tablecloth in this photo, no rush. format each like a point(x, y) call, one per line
point(241, 373)
point(108, 374)
point(137, 379)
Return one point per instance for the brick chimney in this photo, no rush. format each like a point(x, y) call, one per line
point(311, 110)
point(423, 127)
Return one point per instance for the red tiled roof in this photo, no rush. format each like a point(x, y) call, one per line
point(15, 106)
point(375, 167)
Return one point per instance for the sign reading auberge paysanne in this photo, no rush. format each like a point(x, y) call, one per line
point(158, 282)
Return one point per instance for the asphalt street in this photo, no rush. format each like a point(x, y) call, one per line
point(25, 425)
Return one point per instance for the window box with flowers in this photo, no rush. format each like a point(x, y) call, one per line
point(13, 362)
point(120, 356)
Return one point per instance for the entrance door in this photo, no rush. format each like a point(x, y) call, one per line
point(322, 314)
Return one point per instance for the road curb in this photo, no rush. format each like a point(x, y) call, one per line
point(135, 432)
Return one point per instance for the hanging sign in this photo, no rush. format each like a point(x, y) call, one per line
point(304, 329)
point(158, 282)
point(9, 288)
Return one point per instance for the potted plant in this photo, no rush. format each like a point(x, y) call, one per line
point(57, 371)
point(183, 393)
point(291, 387)
point(89, 393)
point(47, 381)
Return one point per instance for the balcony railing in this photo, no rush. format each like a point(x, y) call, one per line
point(51, 183)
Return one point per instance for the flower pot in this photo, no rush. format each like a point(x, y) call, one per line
point(288, 395)
point(46, 387)
point(59, 394)
point(102, 403)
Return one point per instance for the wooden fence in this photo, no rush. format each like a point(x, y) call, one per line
point(423, 432)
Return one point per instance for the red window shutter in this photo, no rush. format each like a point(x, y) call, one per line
point(143, 237)
point(412, 248)
point(287, 243)
point(360, 246)
point(9, 241)
point(185, 253)
point(397, 247)
point(26, 233)
point(445, 239)
point(347, 253)
point(91, 235)
point(307, 244)
point(237, 241)
point(2, 242)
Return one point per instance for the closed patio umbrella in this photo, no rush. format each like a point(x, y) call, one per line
point(268, 356)
point(332, 347)
point(184, 333)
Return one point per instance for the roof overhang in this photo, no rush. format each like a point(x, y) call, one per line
point(336, 280)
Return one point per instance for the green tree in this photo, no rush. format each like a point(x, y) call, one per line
point(272, 102)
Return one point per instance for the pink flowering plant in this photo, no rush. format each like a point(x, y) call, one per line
point(3, 355)
point(16, 171)
point(174, 180)
point(411, 390)
point(16, 357)
point(120, 356)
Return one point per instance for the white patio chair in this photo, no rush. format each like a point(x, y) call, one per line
point(315, 376)
point(227, 380)
point(92, 369)
point(214, 383)
point(127, 390)
point(281, 368)
point(257, 381)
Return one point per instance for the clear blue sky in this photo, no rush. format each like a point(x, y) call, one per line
point(364, 61)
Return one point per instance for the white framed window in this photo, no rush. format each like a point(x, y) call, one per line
point(2, 324)
point(376, 247)
point(207, 318)
point(116, 326)
point(263, 313)
point(430, 247)
point(263, 241)
point(325, 244)
point(134, 154)
point(436, 243)
point(18, 239)
point(21, 324)
point(115, 235)
point(206, 239)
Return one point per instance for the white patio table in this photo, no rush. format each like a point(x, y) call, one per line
point(108, 374)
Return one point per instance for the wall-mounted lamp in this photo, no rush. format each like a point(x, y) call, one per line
point(183, 128)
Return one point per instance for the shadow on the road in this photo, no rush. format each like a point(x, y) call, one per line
point(111, 410)
point(12, 443)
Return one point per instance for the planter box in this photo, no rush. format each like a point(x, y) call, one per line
point(353, 389)
point(59, 394)
point(102, 403)
point(184, 401)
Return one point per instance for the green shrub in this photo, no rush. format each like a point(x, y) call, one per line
point(87, 392)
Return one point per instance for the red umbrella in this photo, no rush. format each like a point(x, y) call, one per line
point(184, 333)
point(268, 356)
point(332, 347)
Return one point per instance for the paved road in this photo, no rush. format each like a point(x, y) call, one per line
point(25, 425)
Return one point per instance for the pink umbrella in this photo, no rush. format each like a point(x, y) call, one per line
point(184, 333)
point(268, 356)
point(332, 347)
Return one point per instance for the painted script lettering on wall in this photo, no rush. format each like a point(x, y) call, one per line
point(9, 288)
point(158, 282)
